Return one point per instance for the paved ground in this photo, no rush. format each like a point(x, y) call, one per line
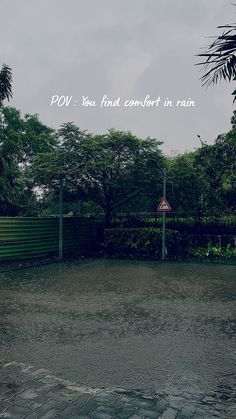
point(30, 393)
point(147, 340)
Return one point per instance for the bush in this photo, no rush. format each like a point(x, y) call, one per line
point(214, 252)
point(206, 226)
point(187, 225)
point(141, 243)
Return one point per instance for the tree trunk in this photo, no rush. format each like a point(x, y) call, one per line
point(107, 217)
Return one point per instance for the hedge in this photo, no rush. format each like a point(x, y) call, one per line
point(141, 243)
point(187, 225)
point(146, 243)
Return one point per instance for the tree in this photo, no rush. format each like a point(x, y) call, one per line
point(186, 183)
point(113, 168)
point(216, 165)
point(5, 84)
point(21, 138)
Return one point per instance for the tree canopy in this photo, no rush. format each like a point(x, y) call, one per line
point(112, 171)
point(112, 168)
point(20, 139)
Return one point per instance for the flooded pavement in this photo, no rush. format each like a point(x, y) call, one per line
point(158, 332)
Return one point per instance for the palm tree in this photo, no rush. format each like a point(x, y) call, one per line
point(220, 58)
point(5, 84)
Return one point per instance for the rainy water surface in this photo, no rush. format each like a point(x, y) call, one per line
point(136, 325)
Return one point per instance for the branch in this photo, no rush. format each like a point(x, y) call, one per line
point(128, 198)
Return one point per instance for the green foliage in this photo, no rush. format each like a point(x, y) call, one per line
point(24, 136)
point(112, 168)
point(204, 181)
point(5, 84)
point(206, 225)
point(185, 225)
point(140, 243)
point(21, 138)
point(216, 167)
point(228, 252)
point(110, 172)
point(220, 58)
point(186, 183)
point(146, 243)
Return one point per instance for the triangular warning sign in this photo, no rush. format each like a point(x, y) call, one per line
point(164, 205)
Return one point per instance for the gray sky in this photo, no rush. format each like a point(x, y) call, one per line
point(120, 48)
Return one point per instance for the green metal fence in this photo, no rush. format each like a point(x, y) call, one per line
point(26, 237)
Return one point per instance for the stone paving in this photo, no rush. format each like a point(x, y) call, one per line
point(30, 393)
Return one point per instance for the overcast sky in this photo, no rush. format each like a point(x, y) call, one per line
point(120, 48)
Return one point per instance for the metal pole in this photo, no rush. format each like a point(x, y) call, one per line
point(60, 246)
point(164, 219)
point(60, 252)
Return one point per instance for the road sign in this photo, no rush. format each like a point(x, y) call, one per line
point(164, 205)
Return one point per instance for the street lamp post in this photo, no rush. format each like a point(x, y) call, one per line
point(61, 185)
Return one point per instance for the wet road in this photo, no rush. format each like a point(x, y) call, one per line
point(134, 325)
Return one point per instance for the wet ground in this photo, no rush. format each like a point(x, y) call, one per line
point(158, 332)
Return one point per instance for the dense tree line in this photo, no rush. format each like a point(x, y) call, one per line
point(105, 173)
point(116, 171)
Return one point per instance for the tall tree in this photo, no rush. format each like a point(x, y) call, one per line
point(112, 168)
point(186, 183)
point(21, 138)
point(216, 165)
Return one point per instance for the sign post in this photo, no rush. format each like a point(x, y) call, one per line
point(164, 207)
point(61, 219)
point(163, 253)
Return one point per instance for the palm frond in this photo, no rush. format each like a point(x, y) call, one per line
point(220, 57)
point(5, 83)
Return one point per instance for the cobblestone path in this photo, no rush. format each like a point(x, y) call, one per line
point(30, 393)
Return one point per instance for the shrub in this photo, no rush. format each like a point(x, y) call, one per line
point(188, 225)
point(141, 243)
point(214, 252)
